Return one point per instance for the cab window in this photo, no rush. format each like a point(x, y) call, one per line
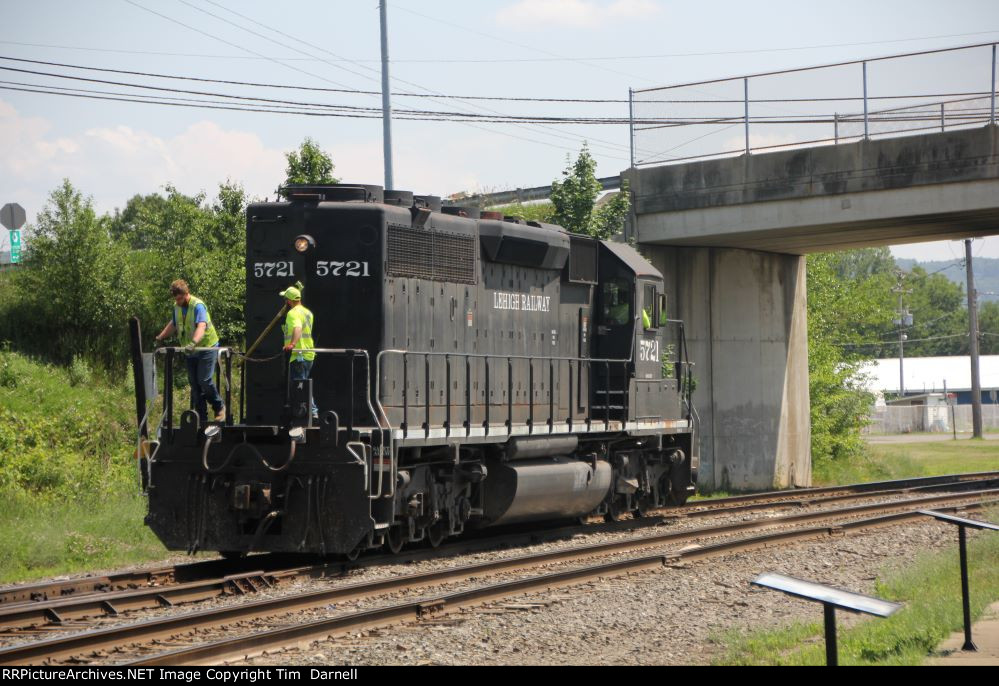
point(650, 303)
point(616, 302)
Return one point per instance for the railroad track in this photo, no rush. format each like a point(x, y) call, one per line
point(56, 603)
point(154, 635)
point(187, 572)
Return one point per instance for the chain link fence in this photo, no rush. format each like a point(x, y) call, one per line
point(905, 419)
point(908, 94)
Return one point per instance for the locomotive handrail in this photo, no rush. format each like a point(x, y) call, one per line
point(378, 421)
point(382, 428)
point(229, 351)
point(486, 357)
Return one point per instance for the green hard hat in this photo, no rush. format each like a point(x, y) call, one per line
point(291, 293)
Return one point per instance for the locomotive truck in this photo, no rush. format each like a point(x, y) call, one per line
point(472, 370)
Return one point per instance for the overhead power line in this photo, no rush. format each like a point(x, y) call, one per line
point(575, 139)
point(645, 122)
point(319, 89)
point(249, 104)
point(536, 128)
point(429, 114)
point(891, 343)
point(501, 60)
point(495, 98)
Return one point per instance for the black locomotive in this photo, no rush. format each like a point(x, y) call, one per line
point(472, 370)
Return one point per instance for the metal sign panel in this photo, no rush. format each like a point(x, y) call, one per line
point(961, 521)
point(12, 216)
point(15, 247)
point(808, 590)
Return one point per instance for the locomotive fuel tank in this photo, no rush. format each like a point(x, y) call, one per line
point(549, 488)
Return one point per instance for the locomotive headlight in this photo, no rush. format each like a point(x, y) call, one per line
point(304, 243)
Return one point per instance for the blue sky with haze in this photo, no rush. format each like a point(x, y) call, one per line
point(509, 48)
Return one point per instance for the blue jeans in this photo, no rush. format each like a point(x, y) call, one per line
point(200, 366)
point(300, 370)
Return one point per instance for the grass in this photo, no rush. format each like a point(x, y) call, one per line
point(885, 461)
point(69, 500)
point(931, 592)
point(42, 537)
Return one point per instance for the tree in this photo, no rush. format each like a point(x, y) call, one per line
point(988, 325)
point(575, 200)
point(309, 164)
point(846, 302)
point(538, 212)
point(940, 315)
point(75, 291)
point(136, 223)
point(204, 244)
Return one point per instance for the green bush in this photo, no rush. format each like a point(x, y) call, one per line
point(8, 379)
point(79, 372)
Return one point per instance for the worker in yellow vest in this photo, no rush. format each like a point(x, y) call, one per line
point(298, 338)
point(194, 329)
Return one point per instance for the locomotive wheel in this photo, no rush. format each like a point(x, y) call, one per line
point(394, 540)
point(436, 534)
point(678, 500)
point(615, 513)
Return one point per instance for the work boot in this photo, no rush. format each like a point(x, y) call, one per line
point(220, 415)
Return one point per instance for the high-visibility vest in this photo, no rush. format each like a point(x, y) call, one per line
point(301, 316)
point(186, 325)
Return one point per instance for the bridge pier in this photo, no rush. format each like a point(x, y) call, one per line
point(745, 313)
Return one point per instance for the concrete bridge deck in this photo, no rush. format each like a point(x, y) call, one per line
point(897, 190)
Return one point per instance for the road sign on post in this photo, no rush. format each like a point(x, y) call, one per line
point(12, 216)
point(15, 247)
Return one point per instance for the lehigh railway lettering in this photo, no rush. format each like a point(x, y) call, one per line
point(521, 301)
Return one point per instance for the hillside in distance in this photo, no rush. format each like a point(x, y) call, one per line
point(986, 273)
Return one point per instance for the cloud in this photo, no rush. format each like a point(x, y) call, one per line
point(528, 14)
point(113, 163)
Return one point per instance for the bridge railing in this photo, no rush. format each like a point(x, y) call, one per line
point(897, 95)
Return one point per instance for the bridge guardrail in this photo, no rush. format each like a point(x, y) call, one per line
point(896, 95)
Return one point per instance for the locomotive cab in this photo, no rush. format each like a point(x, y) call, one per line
point(632, 323)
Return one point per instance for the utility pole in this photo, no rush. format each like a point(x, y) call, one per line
point(976, 384)
point(386, 99)
point(903, 322)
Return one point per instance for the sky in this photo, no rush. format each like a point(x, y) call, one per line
point(566, 49)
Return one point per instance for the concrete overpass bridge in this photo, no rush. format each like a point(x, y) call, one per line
point(731, 235)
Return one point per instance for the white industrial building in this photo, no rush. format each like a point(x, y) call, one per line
point(925, 406)
point(933, 375)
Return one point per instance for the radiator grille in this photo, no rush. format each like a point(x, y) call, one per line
point(582, 260)
point(432, 255)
